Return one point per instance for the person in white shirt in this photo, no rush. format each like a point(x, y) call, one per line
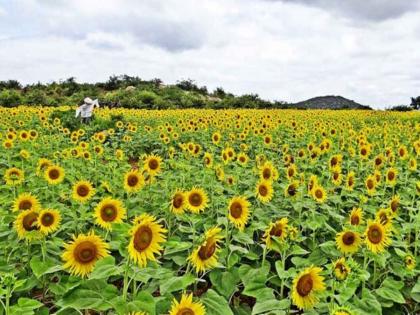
point(86, 109)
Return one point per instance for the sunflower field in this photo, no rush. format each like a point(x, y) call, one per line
point(216, 212)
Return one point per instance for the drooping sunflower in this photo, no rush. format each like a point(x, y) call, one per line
point(147, 235)
point(153, 164)
point(276, 229)
point(26, 225)
point(48, 221)
point(133, 181)
point(370, 184)
point(54, 174)
point(83, 191)
point(350, 180)
point(264, 191)
point(356, 216)
point(306, 286)
point(42, 165)
point(205, 256)
point(391, 176)
point(82, 253)
point(348, 241)
point(312, 183)
point(377, 237)
point(341, 269)
point(178, 202)
point(319, 194)
point(187, 307)
point(14, 176)
point(26, 201)
point(197, 200)
point(109, 211)
point(384, 216)
point(239, 211)
point(208, 160)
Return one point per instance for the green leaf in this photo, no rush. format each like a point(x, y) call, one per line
point(41, 268)
point(25, 306)
point(215, 304)
point(172, 247)
point(105, 268)
point(391, 294)
point(176, 283)
point(368, 304)
point(254, 280)
point(297, 250)
point(415, 292)
point(270, 305)
point(224, 282)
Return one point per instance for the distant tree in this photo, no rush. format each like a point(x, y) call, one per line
point(219, 92)
point(415, 102)
point(10, 84)
point(9, 98)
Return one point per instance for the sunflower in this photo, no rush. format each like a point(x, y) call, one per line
point(276, 229)
point(341, 269)
point(356, 216)
point(391, 176)
point(215, 138)
point(83, 191)
point(208, 159)
point(26, 225)
point(412, 164)
point(242, 158)
point(147, 235)
point(239, 211)
point(187, 307)
point(178, 202)
point(26, 201)
point(14, 176)
point(319, 194)
point(152, 164)
point(306, 286)
point(336, 176)
point(350, 180)
point(335, 161)
point(268, 172)
point(384, 216)
point(348, 241)
point(204, 257)
point(394, 204)
point(82, 253)
point(197, 200)
point(109, 211)
point(370, 184)
point(8, 144)
point(377, 237)
point(133, 181)
point(342, 310)
point(291, 171)
point(264, 191)
point(54, 174)
point(312, 183)
point(410, 262)
point(48, 221)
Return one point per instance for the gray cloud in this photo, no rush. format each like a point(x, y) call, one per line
point(364, 10)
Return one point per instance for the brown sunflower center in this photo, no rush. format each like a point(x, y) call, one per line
point(177, 201)
point(263, 190)
point(132, 180)
point(54, 174)
point(305, 285)
point(370, 184)
point(143, 238)
point(29, 222)
point(25, 205)
point(334, 161)
point(267, 173)
point(276, 230)
point(319, 194)
point(236, 209)
point(351, 181)
point(108, 213)
point(85, 252)
point(348, 238)
point(291, 190)
point(195, 199)
point(391, 175)
point(83, 190)
point(375, 234)
point(378, 161)
point(185, 311)
point(207, 251)
point(394, 205)
point(355, 220)
point(47, 219)
point(153, 164)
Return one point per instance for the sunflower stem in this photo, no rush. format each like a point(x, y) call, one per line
point(125, 284)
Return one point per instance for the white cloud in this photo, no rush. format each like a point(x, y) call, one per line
point(274, 48)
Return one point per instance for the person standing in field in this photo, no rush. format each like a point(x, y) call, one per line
point(86, 110)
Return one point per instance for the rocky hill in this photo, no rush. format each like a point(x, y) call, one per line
point(330, 102)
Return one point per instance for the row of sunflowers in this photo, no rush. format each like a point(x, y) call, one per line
point(193, 212)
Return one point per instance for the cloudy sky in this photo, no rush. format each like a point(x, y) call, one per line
point(291, 50)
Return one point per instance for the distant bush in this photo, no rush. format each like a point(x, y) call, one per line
point(400, 108)
point(9, 98)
